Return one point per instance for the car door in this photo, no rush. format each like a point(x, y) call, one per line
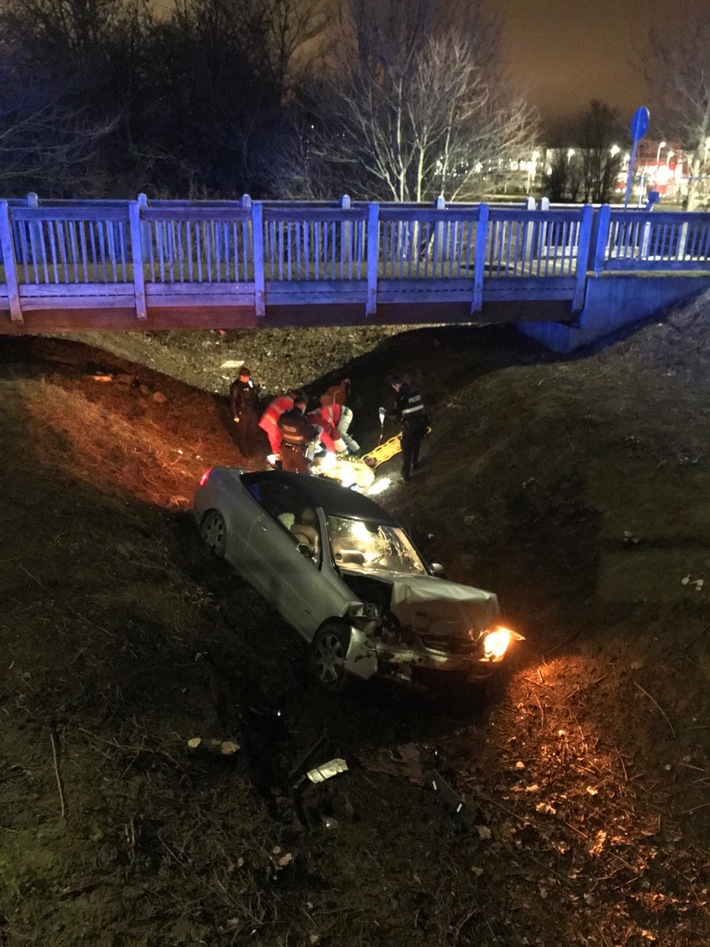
point(287, 577)
point(228, 496)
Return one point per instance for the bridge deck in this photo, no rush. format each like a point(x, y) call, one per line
point(75, 265)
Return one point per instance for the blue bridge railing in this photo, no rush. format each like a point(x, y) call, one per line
point(151, 255)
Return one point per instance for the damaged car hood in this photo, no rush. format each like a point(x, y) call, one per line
point(436, 606)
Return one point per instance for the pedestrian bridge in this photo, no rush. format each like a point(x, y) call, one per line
point(120, 265)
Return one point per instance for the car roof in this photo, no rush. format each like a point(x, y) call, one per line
point(319, 491)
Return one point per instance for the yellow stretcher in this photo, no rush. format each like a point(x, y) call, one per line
point(385, 451)
point(359, 472)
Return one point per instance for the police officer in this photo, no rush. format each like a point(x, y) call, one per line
point(409, 410)
point(244, 401)
point(299, 438)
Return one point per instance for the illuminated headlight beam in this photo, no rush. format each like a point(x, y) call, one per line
point(497, 641)
point(379, 486)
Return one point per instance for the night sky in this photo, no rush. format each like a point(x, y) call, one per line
point(567, 52)
point(564, 53)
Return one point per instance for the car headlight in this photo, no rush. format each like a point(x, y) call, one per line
point(497, 641)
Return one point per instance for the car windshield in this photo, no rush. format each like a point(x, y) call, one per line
point(365, 546)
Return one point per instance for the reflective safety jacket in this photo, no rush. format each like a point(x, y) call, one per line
point(327, 433)
point(409, 407)
point(269, 420)
point(296, 430)
point(330, 414)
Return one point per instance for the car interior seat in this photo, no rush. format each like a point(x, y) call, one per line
point(304, 531)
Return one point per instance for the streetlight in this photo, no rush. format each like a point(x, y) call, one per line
point(570, 153)
point(532, 168)
point(661, 144)
point(614, 150)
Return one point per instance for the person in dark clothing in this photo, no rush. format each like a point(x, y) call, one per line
point(244, 402)
point(300, 438)
point(409, 411)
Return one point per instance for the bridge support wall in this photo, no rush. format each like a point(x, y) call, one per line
point(613, 303)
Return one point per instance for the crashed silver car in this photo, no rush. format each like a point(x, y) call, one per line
point(346, 576)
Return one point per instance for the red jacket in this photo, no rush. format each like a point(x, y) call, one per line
point(331, 414)
point(269, 421)
point(329, 435)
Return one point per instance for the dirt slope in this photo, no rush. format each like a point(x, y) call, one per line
point(576, 489)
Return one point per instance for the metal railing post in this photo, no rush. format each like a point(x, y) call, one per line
point(134, 221)
point(602, 237)
point(257, 236)
point(480, 258)
point(10, 263)
point(373, 256)
point(439, 246)
point(583, 244)
point(145, 229)
point(346, 240)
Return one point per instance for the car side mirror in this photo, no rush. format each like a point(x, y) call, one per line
point(436, 568)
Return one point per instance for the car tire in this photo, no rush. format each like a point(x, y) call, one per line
point(213, 531)
point(327, 657)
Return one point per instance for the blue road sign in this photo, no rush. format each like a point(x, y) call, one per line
point(638, 128)
point(639, 123)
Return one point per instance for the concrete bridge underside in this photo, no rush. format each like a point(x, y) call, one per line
point(123, 318)
point(610, 304)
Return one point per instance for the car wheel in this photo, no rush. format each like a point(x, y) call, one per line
point(213, 531)
point(327, 657)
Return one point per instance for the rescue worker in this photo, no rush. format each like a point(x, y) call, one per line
point(299, 438)
point(409, 410)
point(336, 418)
point(336, 394)
point(244, 401)
point(327, 434)
point(269, 422)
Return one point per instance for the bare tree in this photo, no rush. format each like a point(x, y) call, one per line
point(589, 170)
point(197, 100)
point(225, 77)
point(291, 25)
point(46, 142)
point(678, 68)
point(420, 110)
point(564, 181)
point(385, 34)
point(598, 130)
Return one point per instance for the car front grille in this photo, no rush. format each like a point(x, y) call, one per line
point(447, 645)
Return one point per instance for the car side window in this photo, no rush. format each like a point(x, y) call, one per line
point(274, 497)
point(291, 511)
point(279, 500)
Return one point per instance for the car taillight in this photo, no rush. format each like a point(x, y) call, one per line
point(205, 477)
